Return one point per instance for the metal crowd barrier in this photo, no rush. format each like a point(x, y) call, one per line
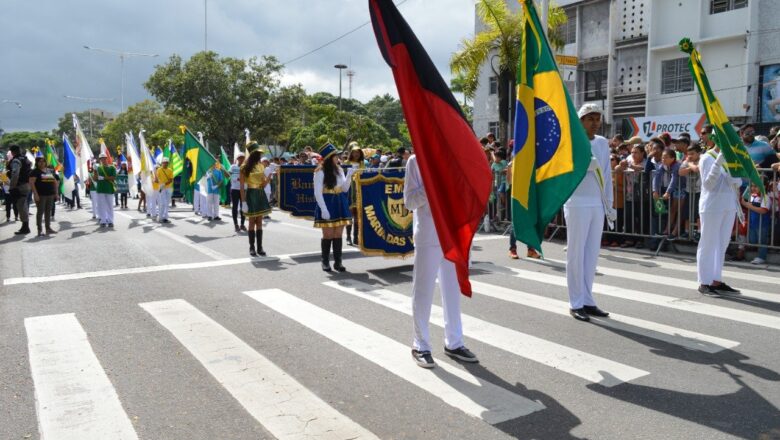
point(639, 224)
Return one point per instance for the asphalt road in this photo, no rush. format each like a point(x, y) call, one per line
point(156, 331)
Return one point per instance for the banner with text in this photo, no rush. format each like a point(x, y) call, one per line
point(296, 190)
point(385, 225)
point(653, 126)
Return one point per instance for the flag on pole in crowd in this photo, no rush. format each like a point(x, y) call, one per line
point(196, 152)
point(458, 193)
point(158, 155)
point(236, 151)
point(69, 167)
point(177, 165)
point(37, 151)
point(105, 150)
point(134, 163)
point(51, 157)
point(552, 151)
point(120, 156)
point(247, 139)
point(738, 161)
point(84, 154)
point(147, 165)
point(30, 156)
point(225, 162)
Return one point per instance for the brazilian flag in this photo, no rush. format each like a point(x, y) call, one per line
point(552, 151)
point(197, 154)
point(738, 160)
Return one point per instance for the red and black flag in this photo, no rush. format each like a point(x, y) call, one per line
point(453, 166)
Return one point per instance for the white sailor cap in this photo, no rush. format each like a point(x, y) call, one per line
point(588, 109)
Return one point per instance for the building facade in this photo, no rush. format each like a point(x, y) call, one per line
point(624, 56)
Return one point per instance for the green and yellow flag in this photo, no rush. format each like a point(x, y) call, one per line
point(738, 161)
point(225, 196)
point(50, 156)
point(552, 151)
point(199, 157)
point(177, 164)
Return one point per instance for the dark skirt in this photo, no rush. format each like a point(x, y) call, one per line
point(338, 208)
point(257, 203)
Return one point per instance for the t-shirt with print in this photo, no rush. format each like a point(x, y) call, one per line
point(45, 182)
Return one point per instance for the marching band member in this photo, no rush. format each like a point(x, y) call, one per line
point(104, 175)
point(153, 199)
point(235, 191)
point(718, 204)
point(254, 203)
point(164, 177)
point(356, 159)
point(215, 179)
point(584, 212)
point(430, 264)
point(332, 211)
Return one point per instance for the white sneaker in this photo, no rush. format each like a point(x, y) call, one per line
point(758, 260)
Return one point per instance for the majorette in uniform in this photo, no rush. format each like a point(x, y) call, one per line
point(254, 202)
point(332, 211)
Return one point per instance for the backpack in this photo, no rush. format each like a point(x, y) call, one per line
point(24, 170)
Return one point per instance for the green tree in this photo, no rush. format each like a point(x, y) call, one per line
point(500, 41)
point(222, 96)
point(387, 112)
point(92, 123)
point(347, 105)
point(25, 139)
point(327, 124)
point(147, 115)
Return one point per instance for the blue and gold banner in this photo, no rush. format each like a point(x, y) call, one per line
point(385, 225)
point(296, 190)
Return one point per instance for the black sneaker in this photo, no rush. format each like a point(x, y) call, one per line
point(462, 354)
point(724, 288)
point(707, 290)
point(595, 311)
point(423, 359)
point(110, 225)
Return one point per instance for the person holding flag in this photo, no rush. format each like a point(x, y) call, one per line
point(104, 175)
point(164, 177)
point(235, 190)
point(215, 179)
point(254, 204)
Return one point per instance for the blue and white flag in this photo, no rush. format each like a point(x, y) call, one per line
point(69, 165)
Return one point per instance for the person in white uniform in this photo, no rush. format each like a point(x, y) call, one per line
point(153, 197)
point(270, 169)
point(430, 264)
point(584, 212)
point(718, 204)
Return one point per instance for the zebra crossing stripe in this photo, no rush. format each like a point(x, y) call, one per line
point(280, 403)
point(578, 363)
point(672, 335)
point(456, 387)
point(671, 302)
point(74, 398)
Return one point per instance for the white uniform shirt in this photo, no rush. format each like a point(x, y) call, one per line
point(319, 186)
point(717, 194)
point(416, 200)
point(588, 193)
point(235, 182)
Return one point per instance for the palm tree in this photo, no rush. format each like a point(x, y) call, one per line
point(499, 41)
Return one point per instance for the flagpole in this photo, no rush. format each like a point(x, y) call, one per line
point(545, 10)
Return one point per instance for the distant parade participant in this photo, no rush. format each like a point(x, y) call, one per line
point(43, 182)
point(430, 264)
point(235, 191)
point(105, 175)
point(214, 179)
point(270, 169)
point(356, 159)
point(718, 204)
point(584, 212)
point(122, 185)
point(254, 203)
point(153, 199)
point(91, 190)
point(164, 177)
point(331, 213)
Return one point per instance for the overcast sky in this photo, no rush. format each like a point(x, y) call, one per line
point(41, 46)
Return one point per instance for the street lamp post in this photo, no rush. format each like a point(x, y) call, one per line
point(341, 67)
point(79, 98)
point(122, 55)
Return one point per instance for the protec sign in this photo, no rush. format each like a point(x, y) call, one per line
point(652, 126)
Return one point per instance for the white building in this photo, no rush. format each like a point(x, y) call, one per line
point(625, 57)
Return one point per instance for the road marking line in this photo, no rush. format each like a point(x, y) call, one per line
point(456, 387)
point(578, 363)
point(280, 403)
point(162, 268)
point(655, 279)
point(182, 240)
point(74, 398)
point(650, 298)
point(673, 335)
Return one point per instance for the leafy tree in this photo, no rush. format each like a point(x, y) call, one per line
point(501, 41)
point(222, 96)
point(328, 124)
point(92, 123)
point(147, 115)
point(25, 139)
point(347, 105)
point(387, 112)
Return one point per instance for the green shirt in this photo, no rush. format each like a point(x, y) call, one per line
point(105, 186)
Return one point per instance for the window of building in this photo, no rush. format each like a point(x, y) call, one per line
point(718, 6)
point(569, 30)
point(493, 128)
point(675, 76)
point(493, 84)
point(595, 84)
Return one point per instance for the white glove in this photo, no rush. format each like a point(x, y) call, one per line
point(325, 214)
point(611, 214)
point(100, 178)
point(244, 207)
point(350, 172)
point(593, 165)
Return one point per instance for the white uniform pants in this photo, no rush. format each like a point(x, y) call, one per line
point(213, 206)
point(716, 230)
point(163, 202)
point(96, 209)
point(196, 205)
point(584, 226)
point(106, 204)
point(429, 264)
point(152, 199)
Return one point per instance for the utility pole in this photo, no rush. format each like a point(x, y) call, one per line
point(122, 55)
point(350, 75)
point(341, 67)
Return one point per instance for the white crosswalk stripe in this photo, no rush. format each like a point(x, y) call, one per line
point(673, 335)
point(587, 366)
point(280, 403)
point(75, 400)
point(648, 298)
point(454, 386)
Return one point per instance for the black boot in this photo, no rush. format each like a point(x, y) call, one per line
point(325, 244)
point(252, 244)
point(259, 235)
point(349, 235)
point(355, 237)
point(25, 229)
point(337, 255)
